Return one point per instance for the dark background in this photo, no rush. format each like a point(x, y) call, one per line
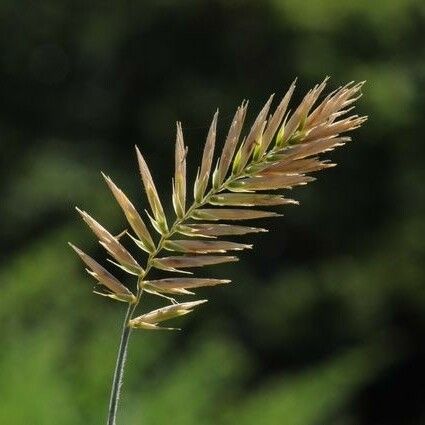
point(325, 320)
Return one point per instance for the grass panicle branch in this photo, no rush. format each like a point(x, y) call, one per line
point(279, 152)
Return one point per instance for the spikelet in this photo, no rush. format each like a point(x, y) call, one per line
point(278, 153)
point(216, 214)
point(273, 124)
point(253, 138)
point(110, 243)
point(133, 217)
point(204, 247)
point(174, 263)
point(179, 184)
point(152, 319)
point(212, 230)
point(118, 290)
point(177, 284)
point(232, 140)
point(158, 220)
point(250, 200)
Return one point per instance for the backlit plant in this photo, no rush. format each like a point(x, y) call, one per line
point(278, 153)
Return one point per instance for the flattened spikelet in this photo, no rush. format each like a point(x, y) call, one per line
point(104, 277)
point(133, 217)
point(308, 165)
point(204, 247)
point(332, 129)
point(273, 182)
point(179, 186)
point(188, 261)
point(111, 244)
point(150, 320)
point(253, 138)
point(215, 214)
point(275, 121)
point(183, 283)
point(231, 142)
point(305, 150)
point(207, 157)
point(250, 200)
point(213, 229)
point(152, 194)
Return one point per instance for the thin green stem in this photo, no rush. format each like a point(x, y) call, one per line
point(119, 367)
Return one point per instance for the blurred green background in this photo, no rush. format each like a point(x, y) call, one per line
point(326, 321)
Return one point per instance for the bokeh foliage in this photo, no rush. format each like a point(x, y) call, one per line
point(326, 321)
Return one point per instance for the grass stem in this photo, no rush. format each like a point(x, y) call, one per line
point(119, 368)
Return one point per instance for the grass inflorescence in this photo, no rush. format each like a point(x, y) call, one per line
point(279, 152)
